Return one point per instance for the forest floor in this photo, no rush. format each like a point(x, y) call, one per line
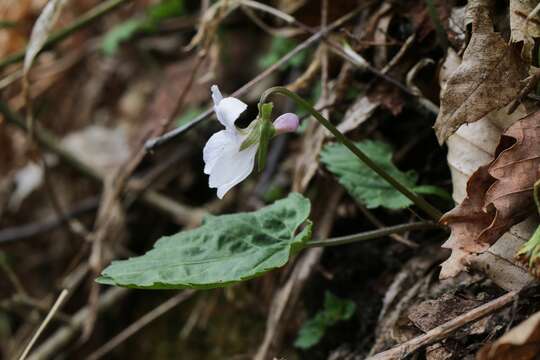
point(441, 95)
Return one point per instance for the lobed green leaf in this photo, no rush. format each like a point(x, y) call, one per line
point(366, 186)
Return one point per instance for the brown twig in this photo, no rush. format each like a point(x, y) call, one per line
point(442, 331)
point(44, 324)
point(29, 230)
point(140, 323)
point(151, 144)
point(66, 334)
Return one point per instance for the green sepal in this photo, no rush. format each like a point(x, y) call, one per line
point(267, 132)
point(253, 135)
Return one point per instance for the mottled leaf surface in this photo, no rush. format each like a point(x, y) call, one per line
point(226, 249)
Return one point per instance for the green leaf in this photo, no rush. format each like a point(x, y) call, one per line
point(366, 186)
point(165, 9)
point(279, 47)
point(129, 28)
point(226, 249)
point(188, 115)
point(529, 253)
point(120, 33)
point(335, 310)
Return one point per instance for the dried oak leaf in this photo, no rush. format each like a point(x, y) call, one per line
point(499, 195)
point(487, 79)
point(520, 343)
point(523, 29)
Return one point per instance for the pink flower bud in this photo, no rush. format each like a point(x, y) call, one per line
point(285, 123)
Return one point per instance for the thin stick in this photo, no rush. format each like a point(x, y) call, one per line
point(45, 322)
point(151, 144)
point(442, 331)
point(66, 333)
point(60, 35)
point(140, 323)
point(419, 201)
point(373, 234)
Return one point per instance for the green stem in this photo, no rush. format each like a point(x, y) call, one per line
point(368, 235)
point(60, 35)
point(416, 199)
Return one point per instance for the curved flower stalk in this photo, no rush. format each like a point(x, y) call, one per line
point(416, 199)
point(229, 155)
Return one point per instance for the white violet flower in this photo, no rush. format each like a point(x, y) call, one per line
point(226, 160)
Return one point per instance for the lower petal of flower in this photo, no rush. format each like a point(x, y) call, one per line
point(219, 144)
point(231, 169)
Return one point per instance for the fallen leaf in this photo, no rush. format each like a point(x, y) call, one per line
point(520, 343)
point(456, 26)
point(12, 38)
point(431, 313)
point(487, 79)
point(359, 112)
point(104, 149)
point(499, 195)
point(523, 30)
point(26, 180)
point(471, 146)
point(41, 31)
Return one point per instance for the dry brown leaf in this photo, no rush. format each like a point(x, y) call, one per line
point(499, 195)
point(487, 79)
point(470, 147)
point(12, 39)
point(359, 112)
point(41, 31)
point(524, 30)
point(431, 313)
point(520, 343)
point(210, 21)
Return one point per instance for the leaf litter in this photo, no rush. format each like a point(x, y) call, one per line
point(483, 72)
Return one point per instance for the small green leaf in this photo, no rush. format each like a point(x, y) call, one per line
point(366, 186)
point(279, 47)
point(335, 310)
point(188, 115)
point(226, 249)
point(129, 28)
point(529, 253)
point(120, 33)
point(164, 10)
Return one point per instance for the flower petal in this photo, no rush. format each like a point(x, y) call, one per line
point(220, 143)
point(232, 168)
point(216, 94)
point(228, 110)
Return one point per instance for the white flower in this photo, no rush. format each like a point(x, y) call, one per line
point(224, 162)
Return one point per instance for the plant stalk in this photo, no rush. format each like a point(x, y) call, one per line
point(419, 201)
point(373, 234)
